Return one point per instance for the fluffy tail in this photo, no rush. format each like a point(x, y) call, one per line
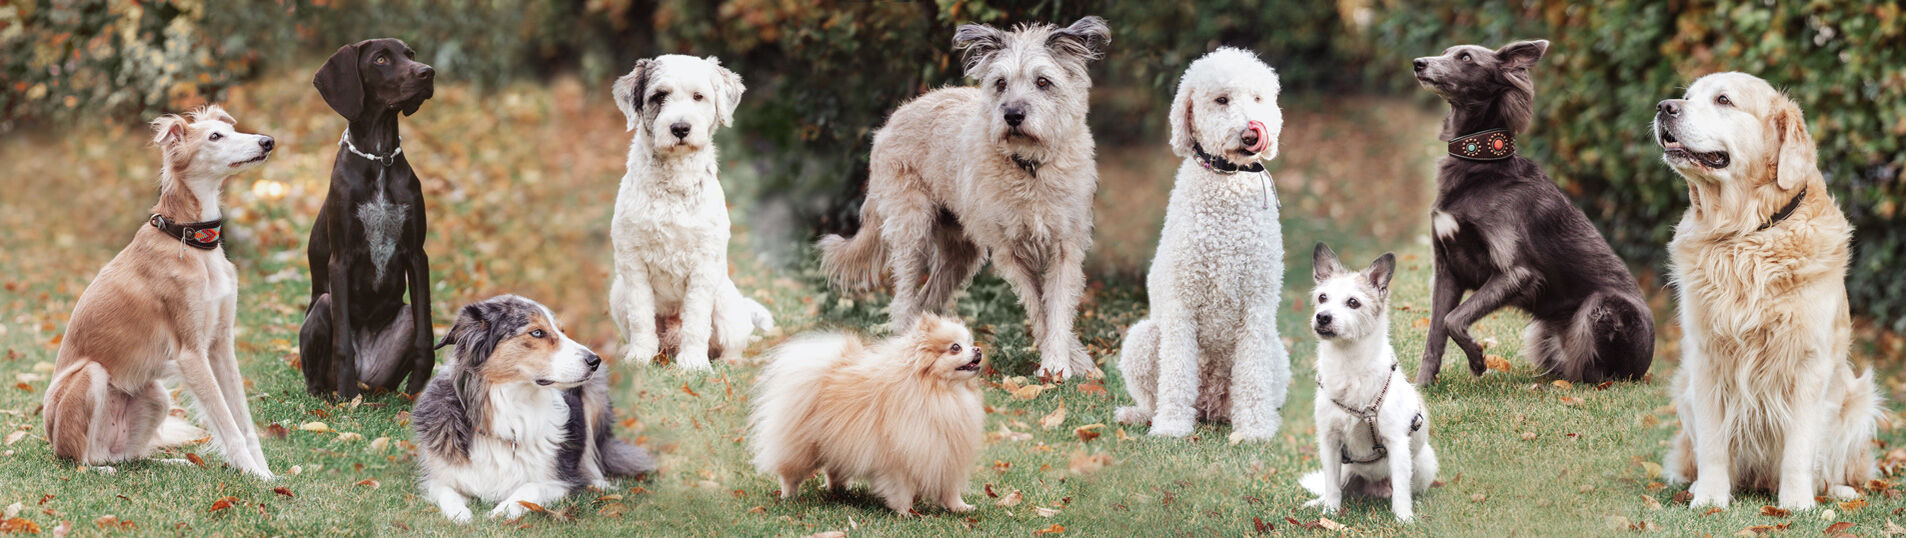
point(176, 431)
point(620, 458)
point(787, 389)
point(1313, 481)
point(855, 263)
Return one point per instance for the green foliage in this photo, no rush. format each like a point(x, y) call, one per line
point(115, 56)
point(1844, 62)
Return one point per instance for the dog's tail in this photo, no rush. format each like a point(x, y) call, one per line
point(619, 458)
point(1313, 481)
point(789, 386)
point(176, 431)
point(856, 262)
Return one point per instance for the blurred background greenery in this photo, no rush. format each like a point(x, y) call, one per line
point(823, 73)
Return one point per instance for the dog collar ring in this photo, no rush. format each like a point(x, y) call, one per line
point(386, 160)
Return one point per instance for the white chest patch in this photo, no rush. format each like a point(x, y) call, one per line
point(1444, 225)
point(383, 224)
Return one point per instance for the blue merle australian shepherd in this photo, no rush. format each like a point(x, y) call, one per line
point(519, 415)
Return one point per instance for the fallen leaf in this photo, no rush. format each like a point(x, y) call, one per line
point(1028, 392)
point(276, 431)
point(1088, 432)
point(533, 507)
point(195, 459)
point(1327, 524)
point(1092, 388)
point(1010, 500)
point(1563, 384)
point(23, 386)
point(223, 503)
point(16, 436)
point(1495, 362)
point(1528, 436)
point(347, 437)
point(689, 391)
point(379, 444)
point(1045, 512)
point(1838, 528)
point(1571, 400)
point(1892, 529)
point(1262, 527)
point(107, 521)
point(281, 490)
point(1054, 529)
point(1650, 502)
point(1774, 511)
point(1054, 419)
point(1852, 505)
point(1420, 323)
point(1001, 465)
point(317, 427)
point(1083, 463)
point(14, 525)
point(373, 483)
point(1653, 469)
point(613, 510)
point(1711, 510)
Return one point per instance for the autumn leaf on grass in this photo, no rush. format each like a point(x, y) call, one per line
point(281, 490)
point(1054, 529)
point(276, 431)
point(1650, 502)
point(1852, 505)
point(107, 521)
point(613, 510)
point(1496, 362)
point(23, 386)
point(1088, 432)
point(223, 503)
point(1045, 512)
point(689, 391)
point(16, 436)
point(1054, 419)
point(1774, 511)
point(1563, 384)
point(1092, 388)
point(1011, 499)
point(1838, 528)
point(315, 427)
point(1571, 400)
point(1083, 463)
point(1327, 524)
point(195, 459)
point(373, 483)
point(1420, 323)
point(14, 525)
point(1028, 392)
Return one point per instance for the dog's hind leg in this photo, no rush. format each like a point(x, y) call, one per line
point(955, 260)
point(383, 358)
point(908, 232)
point(1138, 367)
point(314, 348)
point(1493, 295)
point(1613, 337)
point(93, 423)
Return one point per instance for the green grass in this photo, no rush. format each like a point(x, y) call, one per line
point(1585, 470)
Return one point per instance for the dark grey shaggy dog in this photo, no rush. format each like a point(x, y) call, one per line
point(1507, 236)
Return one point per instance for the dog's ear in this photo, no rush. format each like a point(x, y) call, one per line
point(1323, 263)
point(471, 336)
point(338, 82)
point(927, 321)
point(1085, 40)
point(168, 130)
point(1380, 271)
point(728, 89)
point(1180, 119)
point(214, 113)
point(1796, 163)
point(1521, 54)
point(978, 43)
point(628, 91)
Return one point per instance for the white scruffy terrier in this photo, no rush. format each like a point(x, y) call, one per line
point(1365, 408)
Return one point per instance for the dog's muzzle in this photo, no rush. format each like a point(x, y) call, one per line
point(1667, 112)
point(1256, 137)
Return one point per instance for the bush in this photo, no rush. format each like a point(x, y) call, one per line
point(1844, 62)
point(117, 58)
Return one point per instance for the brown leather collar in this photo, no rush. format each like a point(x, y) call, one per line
point(200, 235)
point(1786, 211)
point(1490, 145)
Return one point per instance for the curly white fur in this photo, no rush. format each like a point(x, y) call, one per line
point(671, 218)
point(1211, 348)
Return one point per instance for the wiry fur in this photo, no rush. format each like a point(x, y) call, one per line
point(1354, 358)
point(905, 415)
point(161, 309)
point(520, 415)
point(947, 188)
point(1588, 319)
point(1210, 349)
point(1766, 395)
point(671, 225)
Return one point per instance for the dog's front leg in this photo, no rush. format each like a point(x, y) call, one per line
point(537, 493)
point(231, 384)
point(1329, 450)
point(195, 367)
point(1402, 474)
point(1177, 375)
point(1442, 300)
point(698, 314)
point(1260, 373)
point(343, 351)
point(424, 357)
point(454, 505)
point(1063, 284)
point(638, 309)
point(1491, 296)
point(1713, 465)
point(1802, 441)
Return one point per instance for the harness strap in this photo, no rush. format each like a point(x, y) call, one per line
point(1368, 416)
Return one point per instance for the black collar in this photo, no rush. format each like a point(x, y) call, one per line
point(1030, 166)
point(1784, 212)
point(1222, 166)
point(1489, 145)
point(200, 235)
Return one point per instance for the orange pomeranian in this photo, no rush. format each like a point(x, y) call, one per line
point(904, 415)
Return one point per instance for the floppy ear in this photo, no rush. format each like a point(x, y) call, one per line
point(978, 43)
point(1323, 263)
point(1380, 271)
point(213, 112)
point(471, 336)
point(1797, 160)
point(1180, 119)
point(1084, 40)
point(628, 91)
point(728, 90)
point(338, 82)
point(1522, 54)
point(167, 130)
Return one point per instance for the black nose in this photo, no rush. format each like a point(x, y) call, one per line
point(267, 143)
point(1323, 320)
point(1014, 116)
point(1420, 64)
point(592, 360)
point(1669, 107)
point(426, 72)
point(1249, 138)
point(680, 129)
point(977, 353)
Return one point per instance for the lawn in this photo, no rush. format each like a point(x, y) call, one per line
point(519, 182)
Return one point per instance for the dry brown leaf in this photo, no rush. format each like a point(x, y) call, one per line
point(1563, 384)
point(1053, 419)
point(373, 483)
point(16, 436)
point(1054, 529)
point(195, 459)
point(1092, 388)
point(1571, 400)
point(1045, 512)
point(276, 431)
point(613, 510)
point(1010, 500)
point(107, 521)
point(1711, 510)
point(14, 525)
point(314, 426)
point(689, 391)
point(1650, 502)
point(533, 507)
point(1088, 432)
point(1420, 323)
point(1838, 528)
point(1852, 505)
point(1083, 463)
point(1495, 362)
point(1327, 524)
point(281, 490)
point(1774, 511)
point(223, 503)
point(23, 386)
point(1028, 392)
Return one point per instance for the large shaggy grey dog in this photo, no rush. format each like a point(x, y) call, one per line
point(1004, 168)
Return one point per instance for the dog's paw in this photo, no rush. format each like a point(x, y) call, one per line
point(1797, 499)
point(1708, 494)
point(1405, 515)
point(508, 510)
point(459, 515)
point(1843, 492)
point(690, 359)
point(1171, 428)
point(642, 350)
point(959, 507)
point(1329, 506)
point(1133, 415)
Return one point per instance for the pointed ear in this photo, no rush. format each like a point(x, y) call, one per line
point(338, 82)
point(1083, 41)
point(1797, 162)
point(168, 130)
point(977, 43)
point(628, 91)
point(927, 321)
point(214, 113)
point(1380, 271)
point(1181, 117)
point(1522, 54)
point(728, 90)
point(1324, 264)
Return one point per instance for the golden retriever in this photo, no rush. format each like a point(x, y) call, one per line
point(1766, 395)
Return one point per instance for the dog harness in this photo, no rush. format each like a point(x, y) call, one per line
point(1368, 416)
point(1490, 145)
point(1224, 168)
point(199, 235)
point(1784, 212)
point(386, 160)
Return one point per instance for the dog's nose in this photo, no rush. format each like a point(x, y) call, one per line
point(426, 72)
point(1420, 64)
point(267, 143)
point(1323, 320)
point(592, 360)
point(1015, 115)
point(1669, 107)
point(1249, 138)
point(977, 353)
point(680, 129)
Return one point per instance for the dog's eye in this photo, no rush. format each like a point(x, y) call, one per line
point(537, 333)
point(215, 137)
point(1260, 98)
point(1723, 100)
point(1042, 83)
point(698, 96)
point(955, 348)
point(1321, 298)
point(1464, 57)
point(999, 85)
point(1353, 303)
point(380, 60)
point(658, 97)
point(410, 54)
point(1224, 100)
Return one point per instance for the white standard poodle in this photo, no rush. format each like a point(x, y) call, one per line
point(1210, 350)
point(671, 218)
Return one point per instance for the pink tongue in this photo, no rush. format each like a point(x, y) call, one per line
point(1263, 137)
